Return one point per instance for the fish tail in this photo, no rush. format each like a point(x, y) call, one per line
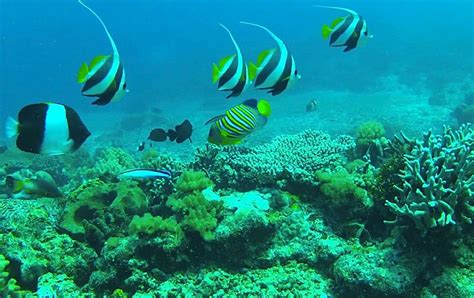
point(172, 135)
point(326, 31)
point(11, 128)
point(82, 74)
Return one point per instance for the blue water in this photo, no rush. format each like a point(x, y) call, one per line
point(168, 47)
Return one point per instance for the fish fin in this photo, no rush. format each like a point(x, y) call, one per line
point(262, 56)
point(326, 31)
point(214, 119)
point(225, 60)
point(96, 61)
point(252, 71)
point(17, 186)
point(83, 72)
point(190, 139)
point(215, 73)
point(11, 128)
point(172, 135)
point(100, 102)
point(336, 22)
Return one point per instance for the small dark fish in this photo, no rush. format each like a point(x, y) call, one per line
point(3, 148)
point(182, 132)
point(141, 146)
point(312, 105)
point(158, 135)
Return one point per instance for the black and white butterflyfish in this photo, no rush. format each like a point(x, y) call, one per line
point(350, 31)
point(275, 68)
point(104, 77)
point(47, 128)
point(232, 73)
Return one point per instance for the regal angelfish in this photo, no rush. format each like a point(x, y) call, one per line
point(238, 122)
point(350, 31)
point(231, 74)
point(275, 68)
point(104, 77)
point(47, 128)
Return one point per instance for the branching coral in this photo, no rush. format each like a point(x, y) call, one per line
point(287, 159)
point(438, 180)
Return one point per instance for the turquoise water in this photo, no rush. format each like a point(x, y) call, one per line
point(304, 206)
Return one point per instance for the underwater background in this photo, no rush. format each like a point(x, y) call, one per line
point(334, 202)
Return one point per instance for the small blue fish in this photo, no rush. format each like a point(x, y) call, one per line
point(145, 174)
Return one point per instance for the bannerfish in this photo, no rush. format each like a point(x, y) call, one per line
point(141, 146)
point(41, 186)
point(232, 72)
point(238, 122)
point(104, 77)
point(145, 174)
point(47, 128)
point(275, 68)
point(181, 132)
point(349, 31)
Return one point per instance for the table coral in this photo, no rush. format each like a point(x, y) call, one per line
point(438, 180)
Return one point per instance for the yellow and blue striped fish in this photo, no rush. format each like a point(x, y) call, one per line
point(238, 122)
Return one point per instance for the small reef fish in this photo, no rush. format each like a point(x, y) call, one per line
point(145, 174)
point(238, 122)
point(181, 133)
point(141, 146)
point(232, 72)
point(349, 31)
point(47, 128)
point(312, 105)
point(104, 77)
point(41, 186)
point(275, 68)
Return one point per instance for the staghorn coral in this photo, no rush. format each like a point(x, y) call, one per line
point(438, 180)
point(287, 161)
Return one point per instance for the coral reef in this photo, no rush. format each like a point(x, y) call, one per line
point(438, 180)
point(287, 162)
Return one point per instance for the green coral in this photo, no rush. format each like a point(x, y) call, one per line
point(90, 196)
point(109, 163)
point(130, 198)
point(8, 286)
point(196, 213)
point(368, 132)
point(167, 229)
point(343, 193)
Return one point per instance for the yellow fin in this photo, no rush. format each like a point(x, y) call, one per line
point(225, 60)
point(83, 72)
point(326, 31)
point(252, 71)
point(17, 186)
point(215, 73)
point(264, 107)
point(96, 61)
point(262, 56)
point(336, 22)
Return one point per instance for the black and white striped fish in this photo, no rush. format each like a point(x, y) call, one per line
point(238, 122)
point(232, 73)
point(350, 31)
point(275, 68)
point(104, 78)
point(47, 128)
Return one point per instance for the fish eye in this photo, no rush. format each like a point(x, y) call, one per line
point(296, 72)
point(124, 86)
point(366, 33)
